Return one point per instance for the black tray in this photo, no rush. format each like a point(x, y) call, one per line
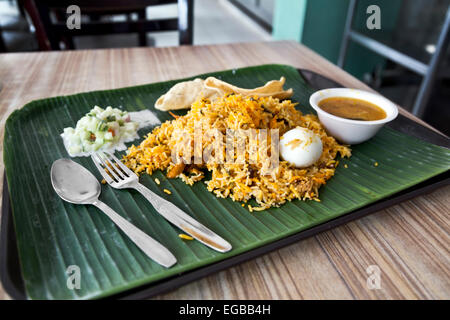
point(10, 274)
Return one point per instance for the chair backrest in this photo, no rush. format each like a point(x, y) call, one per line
point(54, 32)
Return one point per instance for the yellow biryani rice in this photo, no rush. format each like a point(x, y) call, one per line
point(240, 182)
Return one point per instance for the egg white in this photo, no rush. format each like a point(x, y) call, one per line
point(301, 147)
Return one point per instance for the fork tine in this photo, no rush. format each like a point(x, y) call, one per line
point(116, 168)
point(110, 168)
point(102, 171)
point(121, 165)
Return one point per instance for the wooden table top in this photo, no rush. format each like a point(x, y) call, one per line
point(409, 242)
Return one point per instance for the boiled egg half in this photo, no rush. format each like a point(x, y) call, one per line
point(300, 147)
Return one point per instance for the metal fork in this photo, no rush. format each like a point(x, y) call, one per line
point(118, 176)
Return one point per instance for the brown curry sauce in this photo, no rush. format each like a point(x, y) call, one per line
point(352, 108)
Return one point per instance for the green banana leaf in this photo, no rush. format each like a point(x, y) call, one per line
point(53, 235)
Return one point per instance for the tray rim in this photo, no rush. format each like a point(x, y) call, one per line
point(173, 282)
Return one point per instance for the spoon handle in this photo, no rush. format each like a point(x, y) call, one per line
point(152, 248)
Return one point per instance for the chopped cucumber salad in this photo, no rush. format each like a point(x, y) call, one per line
point(100, 129)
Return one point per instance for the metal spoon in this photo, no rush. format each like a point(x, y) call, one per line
point(75, 184)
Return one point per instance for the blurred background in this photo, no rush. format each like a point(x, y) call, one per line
point(407, 60)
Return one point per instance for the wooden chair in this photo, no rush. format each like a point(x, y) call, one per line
point(51, 32)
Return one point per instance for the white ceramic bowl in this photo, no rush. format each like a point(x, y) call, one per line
point(352, 131)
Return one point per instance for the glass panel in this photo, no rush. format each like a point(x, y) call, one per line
point(263, 9)
point(411, 27)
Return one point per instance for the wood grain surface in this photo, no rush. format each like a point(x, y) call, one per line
point(409, 242)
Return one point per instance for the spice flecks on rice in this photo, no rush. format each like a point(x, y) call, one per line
point(240, 182)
